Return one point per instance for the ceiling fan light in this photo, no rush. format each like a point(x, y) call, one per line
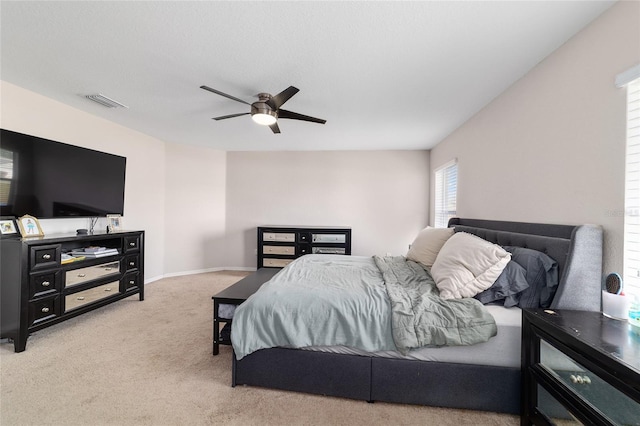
point(264, 118)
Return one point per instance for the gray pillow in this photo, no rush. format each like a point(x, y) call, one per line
point(541, 274)
point(508, 287)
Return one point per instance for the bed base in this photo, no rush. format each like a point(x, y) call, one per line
point(578, 251)
point(475, 387)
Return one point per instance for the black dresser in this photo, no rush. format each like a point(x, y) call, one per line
point(280, 245)
point(40, 287)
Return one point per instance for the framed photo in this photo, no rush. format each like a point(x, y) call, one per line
point(29, 226)
point(115, 222)
point(8, 227)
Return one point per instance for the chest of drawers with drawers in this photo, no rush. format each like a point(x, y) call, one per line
point(280, 245)
point(39, 289)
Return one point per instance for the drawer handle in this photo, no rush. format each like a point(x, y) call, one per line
point(46, 283)
point(80, 298)
point(46, 256)
point(108, 269)
point(81, 275)
point(132, 263)
point(45, 310)
point(107, 289)
point(132, 244)
point(132, 282)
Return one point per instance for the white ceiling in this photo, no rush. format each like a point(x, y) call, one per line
point(385, 75)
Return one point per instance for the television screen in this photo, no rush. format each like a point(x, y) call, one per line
point(49, 179)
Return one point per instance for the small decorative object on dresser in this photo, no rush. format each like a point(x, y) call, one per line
point(280, 245)
point(8, 227)
point(29, 226)
point(115, 222)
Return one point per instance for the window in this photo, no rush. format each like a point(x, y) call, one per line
point(631, 273)
point(446, 188)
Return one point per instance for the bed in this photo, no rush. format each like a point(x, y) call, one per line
point(483, 376)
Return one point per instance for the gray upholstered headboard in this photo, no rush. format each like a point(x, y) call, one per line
point(577, 249)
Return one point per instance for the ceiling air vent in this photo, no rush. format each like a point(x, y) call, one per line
point(104, 101)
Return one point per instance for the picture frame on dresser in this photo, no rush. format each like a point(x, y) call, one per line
point(115, 222)
point(30, 226)
point(8, 227)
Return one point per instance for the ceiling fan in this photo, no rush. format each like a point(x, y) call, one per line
point(266, 110)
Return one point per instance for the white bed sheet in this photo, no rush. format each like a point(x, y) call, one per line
point(503, 350)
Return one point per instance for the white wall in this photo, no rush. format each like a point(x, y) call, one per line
point(551, 148)
point(195, 209)
point(381, 195)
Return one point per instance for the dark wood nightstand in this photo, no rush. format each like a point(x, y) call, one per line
point(235, 295)
point(579, 365)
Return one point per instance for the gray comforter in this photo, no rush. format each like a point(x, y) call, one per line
point(421, 318)
point(373, 304)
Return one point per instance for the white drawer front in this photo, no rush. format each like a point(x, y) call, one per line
point(276, 263)
point(279, 250)
point(85, 297)
point(279, 236)
point(83, 275)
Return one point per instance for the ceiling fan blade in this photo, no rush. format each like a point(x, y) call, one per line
point(217, 92)
point(295, 116)
point(278, 100)
point(230, 116)
point(274, 128)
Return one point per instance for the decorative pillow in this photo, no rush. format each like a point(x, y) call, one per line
point(541, 274)
point(467, 265)
point(508, 287)
point(427, 244)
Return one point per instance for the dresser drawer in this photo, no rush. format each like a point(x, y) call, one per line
point(131, 262)
point(291, 250)
point(276, 263)
point(42, 285)
point(90, 273)
point(81, 298)
point(329, 238)
point(44, 310)
point(45, 256)
point(131, 281)
point(288, 237)
point(131, 244)
point(328, 250)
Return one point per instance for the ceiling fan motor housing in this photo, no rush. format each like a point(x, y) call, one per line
point(262, 107)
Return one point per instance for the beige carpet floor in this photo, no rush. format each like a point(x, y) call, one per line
point(150, 363)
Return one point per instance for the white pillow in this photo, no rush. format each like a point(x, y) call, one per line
point(467, 265)
point(427, 244)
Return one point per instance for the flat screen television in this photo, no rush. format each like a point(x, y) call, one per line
point(49, 179)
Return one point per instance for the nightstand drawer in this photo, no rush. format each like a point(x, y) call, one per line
point(290, 250)
point(277, 263)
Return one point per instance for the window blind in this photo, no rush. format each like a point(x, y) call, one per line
point(446, 189)
point(631, 273)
